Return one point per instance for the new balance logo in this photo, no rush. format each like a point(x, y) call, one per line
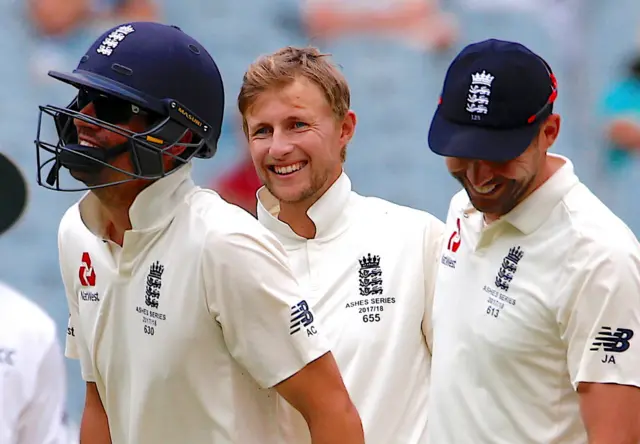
point(302, 317)
point(612, 342)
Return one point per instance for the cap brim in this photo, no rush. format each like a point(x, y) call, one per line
point(90, 80)
point(452, 139)
point(13, 193)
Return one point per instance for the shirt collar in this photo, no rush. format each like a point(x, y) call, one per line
point(153, 208)
point(329, 213)
point(531, 213)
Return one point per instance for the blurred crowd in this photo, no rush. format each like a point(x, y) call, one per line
point(393, 53)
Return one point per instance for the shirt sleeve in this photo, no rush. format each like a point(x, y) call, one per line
point(601, 316)
point(75, 346)
point(267, 323)
point(42, 420)
point(433, 238)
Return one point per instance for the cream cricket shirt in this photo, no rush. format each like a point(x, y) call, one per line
point(526, 309)
point(185, 329)
point(32, 373)
point(369, 274)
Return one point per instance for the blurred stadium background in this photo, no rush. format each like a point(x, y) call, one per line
point(394, 54)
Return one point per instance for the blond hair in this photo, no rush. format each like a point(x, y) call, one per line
point(283, 67)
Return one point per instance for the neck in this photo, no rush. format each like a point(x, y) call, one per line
point(295, 215)
point(116, 204)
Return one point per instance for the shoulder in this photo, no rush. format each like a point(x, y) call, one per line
point(599, 236)
point(459, 201)
point(381, 211)
point(70, 220)
point(225, 225)
point(24, 318)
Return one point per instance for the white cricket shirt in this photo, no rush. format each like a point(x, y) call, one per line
point(369, 273)
point(32, 373)
point(526, 309)
point(185, 329)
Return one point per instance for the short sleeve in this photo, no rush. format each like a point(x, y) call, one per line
point(433, 238)
point(600, 319)
point(75, 345)
point(267, 323)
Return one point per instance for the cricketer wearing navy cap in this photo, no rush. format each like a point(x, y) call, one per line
point(495, 96)
point(184, 313)
point(537, 297)
point(497, 99)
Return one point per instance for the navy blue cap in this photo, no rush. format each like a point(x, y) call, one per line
point(151, 65)
point(495, 95)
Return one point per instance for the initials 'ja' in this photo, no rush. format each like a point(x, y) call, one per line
point(608, 359)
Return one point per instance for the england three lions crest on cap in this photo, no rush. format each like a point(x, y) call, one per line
point(111, 42)
point(479, 92)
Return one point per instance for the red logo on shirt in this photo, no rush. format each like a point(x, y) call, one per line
point(86, 273)
point(455, 240)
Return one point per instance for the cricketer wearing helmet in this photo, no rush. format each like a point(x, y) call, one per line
point(183, 310)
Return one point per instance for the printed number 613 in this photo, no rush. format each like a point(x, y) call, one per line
point(493, 311)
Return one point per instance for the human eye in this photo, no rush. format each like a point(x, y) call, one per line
point(260, 131)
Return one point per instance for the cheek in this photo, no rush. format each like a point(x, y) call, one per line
point(109, 138)
point(258, 149)
point(517, 171)
point(455, 166)
point(123, 162)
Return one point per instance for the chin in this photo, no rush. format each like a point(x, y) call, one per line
point(490, 206)
point(290, 195)
point(84, 178)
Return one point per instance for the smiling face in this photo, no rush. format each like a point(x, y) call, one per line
point(496, 188)
point(98, 137)
point(119, 176)
point(296, 141)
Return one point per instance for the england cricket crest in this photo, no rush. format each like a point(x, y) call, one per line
point(370, 275)
point(154, 283)
point(150, 316)
point(479, 92)
point(111, 42)
point(508, 268)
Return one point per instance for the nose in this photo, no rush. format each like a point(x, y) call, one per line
point(281, 145)
point(479, 173)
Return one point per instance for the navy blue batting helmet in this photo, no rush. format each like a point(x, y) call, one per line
point(144, 68)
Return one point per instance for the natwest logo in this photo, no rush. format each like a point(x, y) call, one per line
point(455, 239)
point(86, 273)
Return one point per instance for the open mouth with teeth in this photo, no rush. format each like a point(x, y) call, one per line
point(85, 143)
point(486, 190)
point(287, 170)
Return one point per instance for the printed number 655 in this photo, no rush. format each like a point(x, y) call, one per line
point(371, 317)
